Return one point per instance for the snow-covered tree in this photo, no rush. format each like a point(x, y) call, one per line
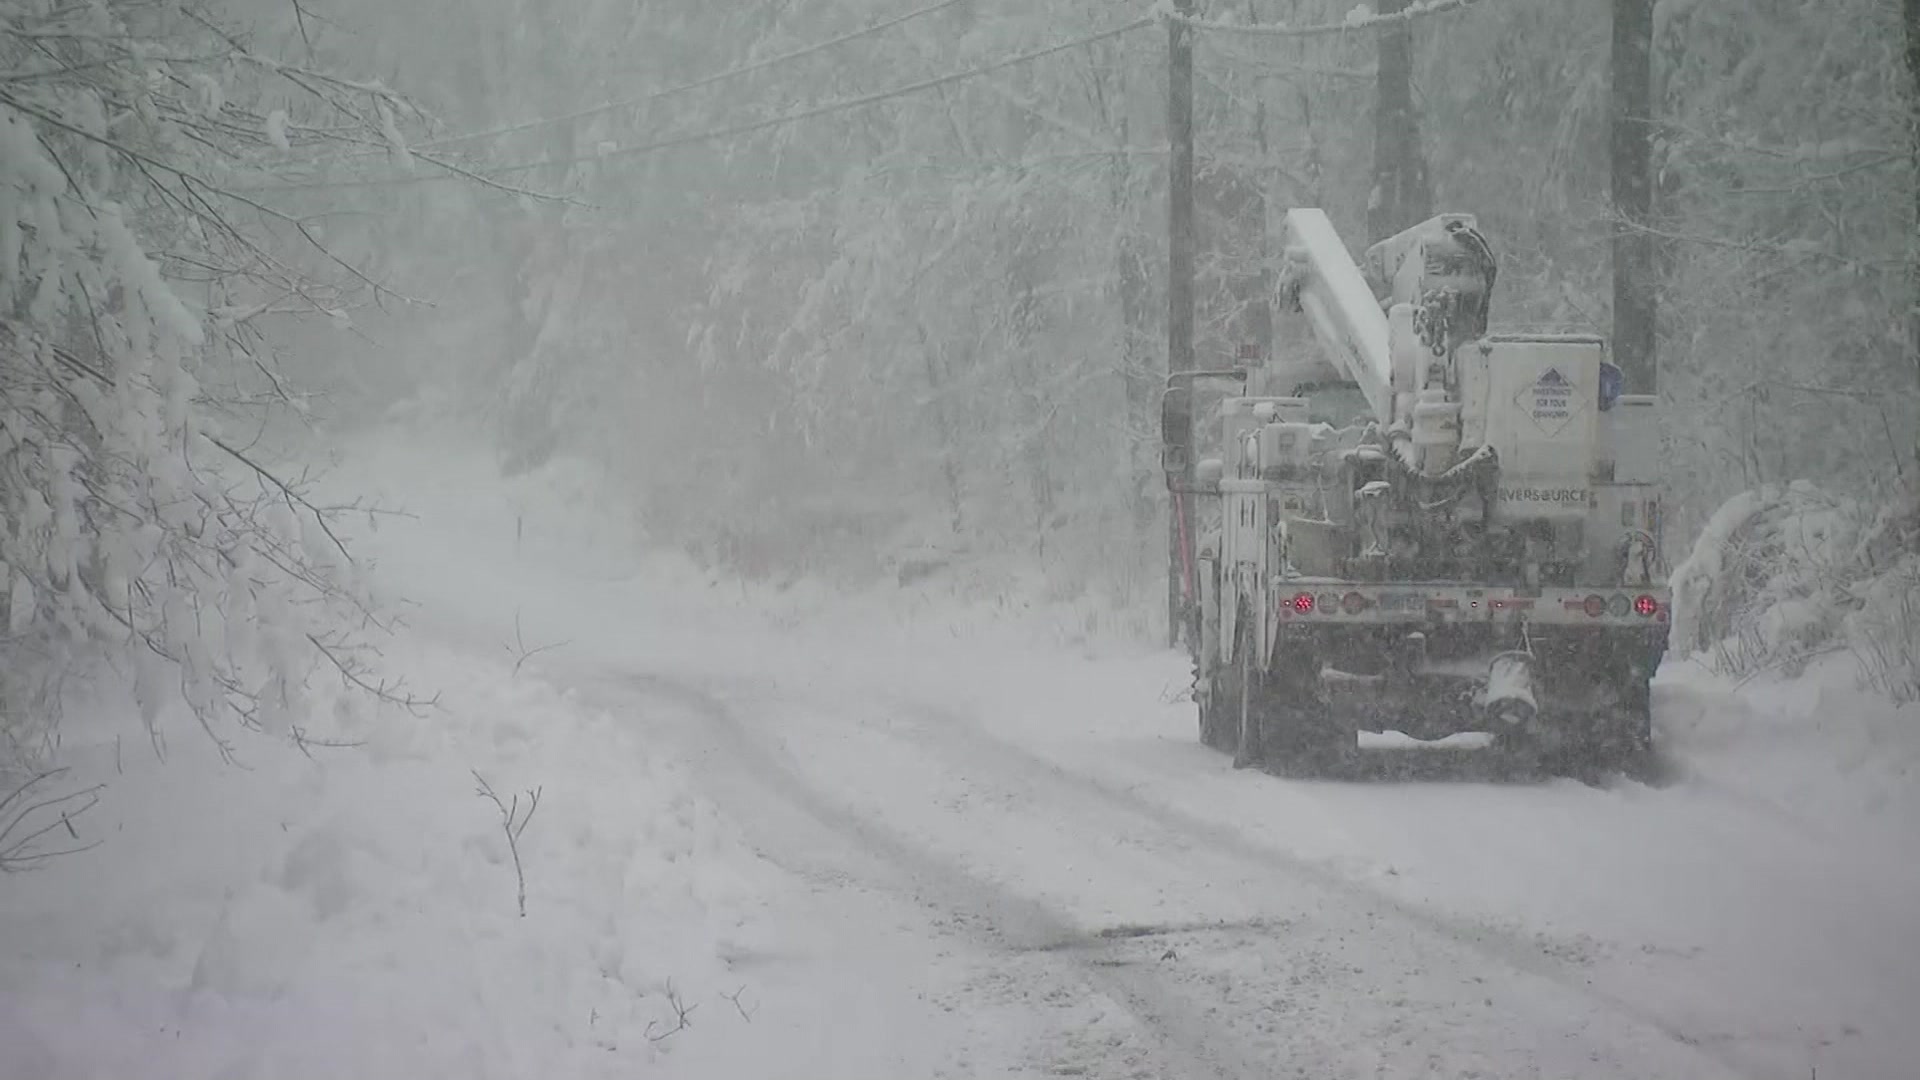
point(146, 253)
point(942, 311)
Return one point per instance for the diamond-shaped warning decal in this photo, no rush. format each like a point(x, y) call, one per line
point(1550, 402)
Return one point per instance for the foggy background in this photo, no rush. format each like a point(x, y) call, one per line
point(940, 318)
point(520, 521)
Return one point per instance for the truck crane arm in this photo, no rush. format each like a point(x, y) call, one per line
point(1397, 348)
point(1349, 322)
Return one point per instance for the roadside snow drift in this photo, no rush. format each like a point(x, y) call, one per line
point(354, 914)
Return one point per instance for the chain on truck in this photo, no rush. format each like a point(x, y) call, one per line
point(1425, 527)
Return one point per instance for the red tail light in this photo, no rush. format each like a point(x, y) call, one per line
point(1303, 603)
point(1647, 606)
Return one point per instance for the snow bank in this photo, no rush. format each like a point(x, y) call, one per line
point(1816, 751)
point(354, 914)
point(1783, 576)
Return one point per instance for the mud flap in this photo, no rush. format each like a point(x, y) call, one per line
point(1305, 735)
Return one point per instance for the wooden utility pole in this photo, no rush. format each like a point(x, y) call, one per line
point(1911, 9)
point(1179, 280)
point(1401, 196)
point(1631, 115)
point(1180, 190)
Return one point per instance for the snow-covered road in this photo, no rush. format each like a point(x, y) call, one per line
point(1231, 925)
point(1052, 805)
point(887, 837)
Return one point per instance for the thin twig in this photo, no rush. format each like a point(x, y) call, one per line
point(391, 693)
point(286, 489)
point(513, 823)
point(300, 20)
point(681, 1016)
point(520, 645)
point(19, 850)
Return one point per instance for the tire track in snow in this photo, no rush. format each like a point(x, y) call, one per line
point(752, 772)
point(998, 756)
point(1003, 917)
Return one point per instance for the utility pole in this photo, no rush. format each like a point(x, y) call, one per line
point(1631, 107)
point(1180, 190)
point(1401, 197)
point(1910, 9)
point(1179, 283)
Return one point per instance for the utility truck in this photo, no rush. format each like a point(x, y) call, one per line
point(1429, 527)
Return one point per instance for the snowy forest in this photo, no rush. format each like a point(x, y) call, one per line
point(836, 294)
point(934, 318)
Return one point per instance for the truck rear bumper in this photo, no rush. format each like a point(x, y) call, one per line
point(1438, 678)
point(1315, 601)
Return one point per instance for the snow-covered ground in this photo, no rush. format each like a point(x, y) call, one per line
point(897, 835)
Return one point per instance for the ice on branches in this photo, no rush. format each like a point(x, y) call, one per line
point(132, 530)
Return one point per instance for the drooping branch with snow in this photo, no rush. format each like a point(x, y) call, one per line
point(136, 264)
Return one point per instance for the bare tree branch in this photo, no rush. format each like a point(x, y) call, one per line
point(745, 1013)
point(512, 823)
point(682, 1013)
point(523, 653)
point(21, 836)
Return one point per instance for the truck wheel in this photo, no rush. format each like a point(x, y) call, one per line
point(1212, 687)
point(1246, 704)
point(1216, 716)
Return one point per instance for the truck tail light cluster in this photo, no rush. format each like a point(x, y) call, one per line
point(1353, 603)
point(1644, 606)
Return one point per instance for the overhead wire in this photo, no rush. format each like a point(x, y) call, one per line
point(1420, 9)
point(765, 123)
point(704, 81)
point(841, 105)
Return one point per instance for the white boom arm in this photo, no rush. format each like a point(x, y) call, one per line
point(1337, 299)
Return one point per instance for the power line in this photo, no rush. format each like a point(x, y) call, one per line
point(1418, 10)
point(841, 105)
point(765, 124)
point(703, 81)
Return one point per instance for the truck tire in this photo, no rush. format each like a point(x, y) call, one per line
point(1211, 688)
point(1217, 720)
point(1244, 706)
